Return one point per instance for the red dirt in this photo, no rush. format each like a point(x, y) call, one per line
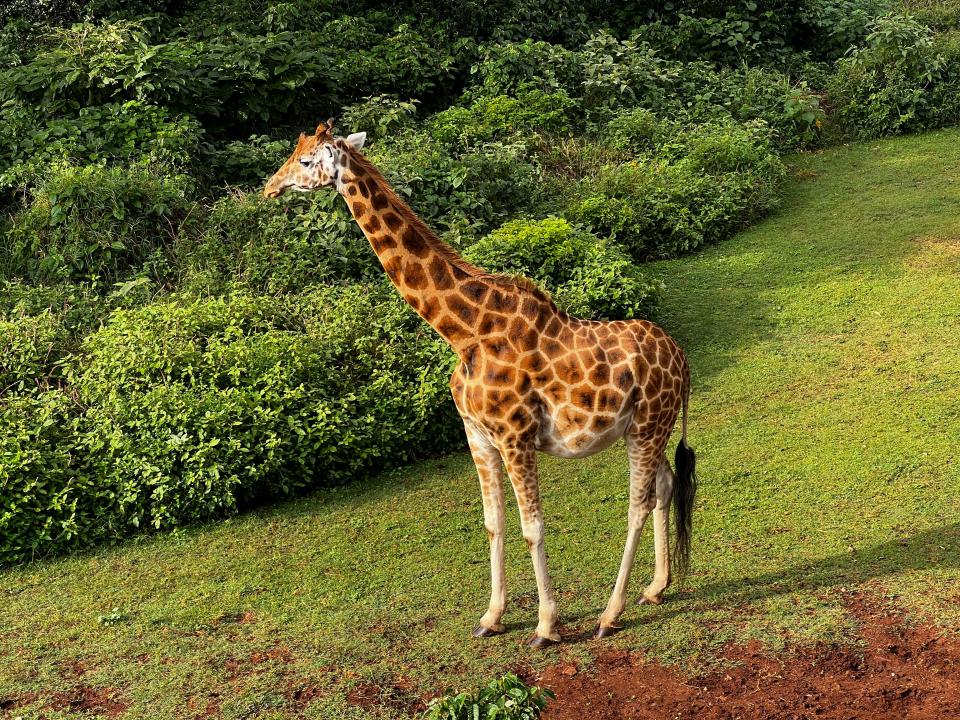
point(304, 695)
point(398, 695)
point(90, 700)
point(899, 671)
point(18, 701)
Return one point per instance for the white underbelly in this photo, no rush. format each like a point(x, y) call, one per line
point(577, 443)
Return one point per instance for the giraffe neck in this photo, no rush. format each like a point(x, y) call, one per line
point(443, 288)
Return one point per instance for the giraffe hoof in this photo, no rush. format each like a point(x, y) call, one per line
point(605, 631)
point(481, 631)
point(644, 600)
point(539, 643)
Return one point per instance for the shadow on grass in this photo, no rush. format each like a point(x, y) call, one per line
point(935, 548)
point(855, 214)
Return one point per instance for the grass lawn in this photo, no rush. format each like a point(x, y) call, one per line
point(826, 416)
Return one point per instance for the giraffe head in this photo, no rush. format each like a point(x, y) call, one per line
point(317, 161)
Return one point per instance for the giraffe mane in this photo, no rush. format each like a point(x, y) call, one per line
point(439, 246)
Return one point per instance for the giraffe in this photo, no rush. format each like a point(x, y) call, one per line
point(530, 378)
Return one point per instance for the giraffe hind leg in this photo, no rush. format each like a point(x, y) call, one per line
point(644, 466)
point(653, 595)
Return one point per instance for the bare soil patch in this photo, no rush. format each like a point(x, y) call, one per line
point(103, 701)
point(897, 670)
point(397, 695)
point(935, 252)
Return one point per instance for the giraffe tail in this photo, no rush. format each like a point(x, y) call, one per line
point(684, 492)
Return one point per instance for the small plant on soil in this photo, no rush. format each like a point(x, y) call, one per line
point(507, 698)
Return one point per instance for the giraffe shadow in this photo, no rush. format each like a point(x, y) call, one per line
point(938, 547)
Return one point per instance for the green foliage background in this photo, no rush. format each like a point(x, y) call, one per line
point(173, 347)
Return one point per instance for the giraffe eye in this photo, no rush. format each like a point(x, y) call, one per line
point(305, 162)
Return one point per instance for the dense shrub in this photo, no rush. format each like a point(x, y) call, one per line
point(97, 223)
point(701, 186)
point(461, 194)
point(201, 407)
point(130, 131)
point(379, 115)
point(229, 79)
point(937, 14)
point(501, 116)
point(47, 500)
point(508, 67)
point(268, 246)
point(26, 343)
point(243, 164)
point(405, 61)
point(902, 79)
point(623, 73)
point(193, 409)
point(587, 276)
point(42, 325)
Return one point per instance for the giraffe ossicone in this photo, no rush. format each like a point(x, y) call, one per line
point(530, 379)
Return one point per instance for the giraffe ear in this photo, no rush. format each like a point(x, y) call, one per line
point(356, 140)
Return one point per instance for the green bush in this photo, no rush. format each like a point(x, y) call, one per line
point(230, 80)
point(406, 61)
point(48, 501)
point(623, 73)
point(199, 408)
point(129, 132)
point(507, 698)
point(42, 325)
point(244, 164)
point(587, 277)
point(185, 410)
point(462, 195)
point(97, 223)
point(26, 344)
point(379, 115)
point(267, 246)
point(638, 131)
point(789, 107)
point(937, 14)
point(501, 117)
point(704, 184)
point(510, 67)
point(834, 26)
point(898, 81)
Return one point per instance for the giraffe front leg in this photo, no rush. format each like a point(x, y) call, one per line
point(522, 468)
point(490, 470)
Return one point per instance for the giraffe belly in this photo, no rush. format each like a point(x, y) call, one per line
point(569, 439)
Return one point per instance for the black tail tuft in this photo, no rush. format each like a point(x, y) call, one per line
point(684, 491)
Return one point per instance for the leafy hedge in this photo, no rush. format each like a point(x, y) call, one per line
point(904, 78)
point(586, 276)
point(699, 185)
point(96, 223)
point(186, 410)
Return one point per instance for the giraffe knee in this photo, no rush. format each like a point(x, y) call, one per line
point(533, 537)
